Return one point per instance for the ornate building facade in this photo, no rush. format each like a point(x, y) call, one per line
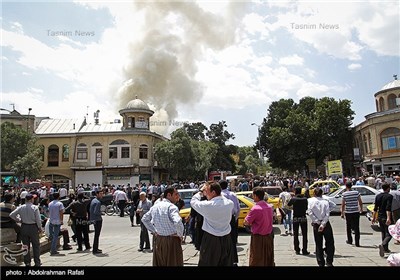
point(77, 152)
point(377, 139)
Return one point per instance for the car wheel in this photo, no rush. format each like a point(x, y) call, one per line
point(110, 210)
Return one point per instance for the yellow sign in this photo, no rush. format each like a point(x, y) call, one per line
point(335, 167)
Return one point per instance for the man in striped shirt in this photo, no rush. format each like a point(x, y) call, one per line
point(351, 209)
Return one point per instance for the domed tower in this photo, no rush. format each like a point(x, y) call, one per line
point(388, 97)
point(136, 115)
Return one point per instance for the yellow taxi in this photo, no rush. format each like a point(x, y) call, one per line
point(274, 201)
point(333, 186)
point(245, 203)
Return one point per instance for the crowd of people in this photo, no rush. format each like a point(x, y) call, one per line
point(213, 219)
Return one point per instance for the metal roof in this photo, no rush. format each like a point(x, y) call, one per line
point(392, 84)
point(58, 126)
point(111, 127)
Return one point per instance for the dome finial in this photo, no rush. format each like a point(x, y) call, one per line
point(395, 76)
point(135, 96)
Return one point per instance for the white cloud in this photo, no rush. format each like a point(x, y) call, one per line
point(16, 27)
point(354, 66)
point(352, 26)
point(291, 60)
point(254, 25)
point(74, 105)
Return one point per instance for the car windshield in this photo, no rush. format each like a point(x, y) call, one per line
point(248, 198)
point(336, 192)
point(186, 195)
point(273, 191)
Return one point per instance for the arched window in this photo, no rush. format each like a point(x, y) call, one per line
point(52, 155)
point(119, 142)
point(392, 101)
point(390, 138)
point(381, 104)
point(121, 145)
point(143, 152)
point(81, 152)
point(65, 152)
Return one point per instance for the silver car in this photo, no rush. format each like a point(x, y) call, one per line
point(367, 196)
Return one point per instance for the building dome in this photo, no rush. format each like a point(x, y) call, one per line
point(393, 84)
point(137, 104)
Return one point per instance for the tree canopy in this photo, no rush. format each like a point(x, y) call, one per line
point(19, 151)
point(194, 150)
point(314, 128)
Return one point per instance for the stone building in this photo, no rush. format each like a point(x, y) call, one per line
point(377, 139)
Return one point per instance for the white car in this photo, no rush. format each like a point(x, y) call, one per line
point(367, 196)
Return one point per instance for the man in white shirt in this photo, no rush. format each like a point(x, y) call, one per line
point(318, 210)
point(216, 245)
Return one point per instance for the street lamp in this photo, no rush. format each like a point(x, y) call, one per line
point(259, 142)
point(27, 122)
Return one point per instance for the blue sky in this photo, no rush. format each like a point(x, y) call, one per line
point(198, 61)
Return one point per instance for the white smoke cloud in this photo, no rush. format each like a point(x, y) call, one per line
point(162, 64)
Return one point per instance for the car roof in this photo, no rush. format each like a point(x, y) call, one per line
point(323, 182)
point(187, 190)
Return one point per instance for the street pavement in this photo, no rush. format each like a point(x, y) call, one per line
point(120, 243)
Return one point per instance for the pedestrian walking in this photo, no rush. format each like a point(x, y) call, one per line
point(78, 210)
point(319, 210)
point(351, 209)
point(143, 207)
point(383, 206)
point(97, 220)
point(300, 205)
point(56, 217)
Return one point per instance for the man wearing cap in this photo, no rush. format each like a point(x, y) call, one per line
point(29, 215)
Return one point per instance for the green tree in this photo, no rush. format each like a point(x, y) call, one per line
point(177, 154)
point(204, 153)
point(14, 144)
point(195, 130)
point(20, 152)
point(315, 128)
point(223, 160)
point(248, 152)
point(29, 165)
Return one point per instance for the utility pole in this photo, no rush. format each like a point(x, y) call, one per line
point(27, 122)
